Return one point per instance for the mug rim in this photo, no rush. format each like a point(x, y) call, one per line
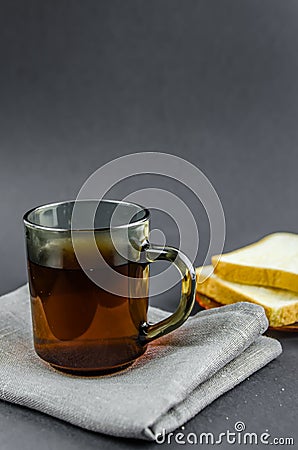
point(32, 224)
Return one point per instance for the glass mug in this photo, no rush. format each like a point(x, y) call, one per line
point(78, 326)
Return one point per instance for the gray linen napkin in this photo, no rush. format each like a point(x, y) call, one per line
point(177, 377)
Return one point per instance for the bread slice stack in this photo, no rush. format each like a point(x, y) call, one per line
point(265, 273)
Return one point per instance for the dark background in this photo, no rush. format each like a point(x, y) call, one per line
point(215, 82)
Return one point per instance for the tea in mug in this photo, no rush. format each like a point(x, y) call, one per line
point(78, 324)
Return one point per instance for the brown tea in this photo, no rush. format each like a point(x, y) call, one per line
point(78, 324)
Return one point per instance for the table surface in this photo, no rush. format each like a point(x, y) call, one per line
point(213, 82)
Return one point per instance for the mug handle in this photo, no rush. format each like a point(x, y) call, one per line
point(154, 253)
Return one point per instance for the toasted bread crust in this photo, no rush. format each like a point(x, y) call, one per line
point(249, 272)
point(257, 276)
point(215, 288)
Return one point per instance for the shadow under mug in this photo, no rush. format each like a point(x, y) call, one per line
point(79, 326)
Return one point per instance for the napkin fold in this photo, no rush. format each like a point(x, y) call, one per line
point(178, 376)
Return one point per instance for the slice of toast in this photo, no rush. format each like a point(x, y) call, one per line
point(208, 303)
point(281, 306)
point(272, 261)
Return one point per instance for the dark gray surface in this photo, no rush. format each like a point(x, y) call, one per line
point(214, 82)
